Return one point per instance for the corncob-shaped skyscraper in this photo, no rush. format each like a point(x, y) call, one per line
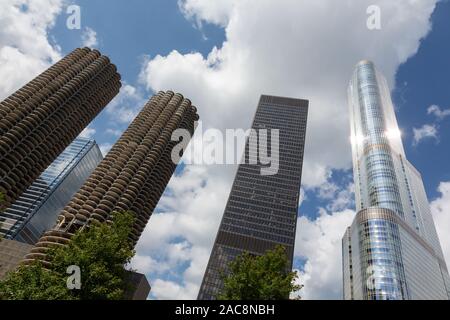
point(132, 177)
point(41, 119)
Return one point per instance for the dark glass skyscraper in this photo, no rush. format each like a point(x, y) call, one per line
point(38, 207)
point(261, 211)
point(132, 176)
point(41, 119)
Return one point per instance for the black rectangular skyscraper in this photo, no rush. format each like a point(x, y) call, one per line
point(262, 208)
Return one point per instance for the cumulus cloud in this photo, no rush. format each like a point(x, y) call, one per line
point(298, 49)
point(440, 208)
point(87, 132)
point(319, 242)
point(126, 105)
point(302, 197)
point(169, 290)
point(180, 234)
point(216, 12)
point(89, 38)
point(338, 197)
point(104, 148)
point(430, 131)
point(114, 132)
point(25, 50)
point(438, 112)
point(313, 59)
point(427, 131)
point(327, 190)
point(344, 198)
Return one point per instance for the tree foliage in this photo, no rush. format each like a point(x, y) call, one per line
point(100, 251)
point(34, 282)
point(266, 277)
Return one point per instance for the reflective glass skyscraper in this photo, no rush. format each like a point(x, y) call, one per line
point(391, 251)
point(37, 209)
point(261, 211)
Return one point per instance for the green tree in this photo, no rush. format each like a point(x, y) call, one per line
point(100, 251)
point(33, 282)
point(266, 277)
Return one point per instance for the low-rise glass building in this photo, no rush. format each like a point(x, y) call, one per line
point(37, 208)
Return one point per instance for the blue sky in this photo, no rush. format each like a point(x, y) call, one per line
point(421, 82)
point(129, 30)
point(222, 54)
point(132, 33)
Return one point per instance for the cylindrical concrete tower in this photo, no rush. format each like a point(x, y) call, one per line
point(133, 175)
point(41, 119)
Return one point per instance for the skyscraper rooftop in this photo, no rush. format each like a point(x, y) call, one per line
point(261, 211)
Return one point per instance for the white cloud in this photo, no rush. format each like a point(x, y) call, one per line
point(302, 197)
point(114, 132)
point(87, 132)
point(313, 59)
point(298, 49)
point(319, 242)
point(440, 209)
point(104, 148)
point(338, 197)
point(25, 50)
point(147, 264)
point(438, 112)
point(183, 233)
point(121, 111)
point(427, 131)
point(297, 294)
point(327, 190)
point(89, 38)
point(216, 12)
point(170, 290)
point(125, 105)
point(344, 198)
